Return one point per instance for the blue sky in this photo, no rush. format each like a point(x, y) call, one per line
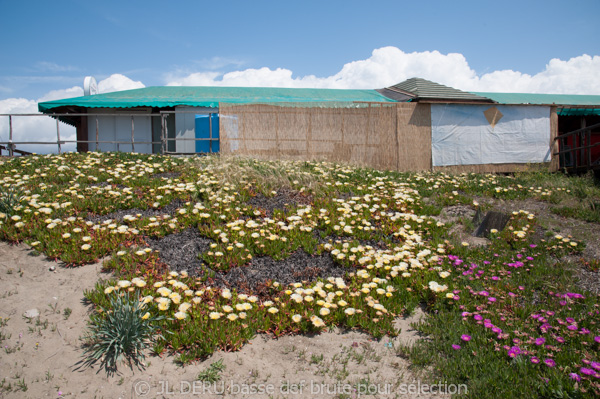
point(51, 46)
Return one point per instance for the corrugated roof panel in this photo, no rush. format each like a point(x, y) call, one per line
point(542, 99)
point(200, 96)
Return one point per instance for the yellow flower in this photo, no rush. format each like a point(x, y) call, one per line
point(175, 297)
point(324, 311)
point(317, 321)
point(124, 283)
point(138, 282)
point(226, 294)
point(184, 307)
point(214, 315)
point(163, 303)
point(180, 315)
point(146, 316)
point(108, 290)
point(232, 317)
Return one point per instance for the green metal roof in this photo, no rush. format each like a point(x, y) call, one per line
point(545, 99)
point(426, 90)
point(567, 104)
point(201, 96)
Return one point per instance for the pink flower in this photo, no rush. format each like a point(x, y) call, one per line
point(465, 337)
point(550, 362)
point(534, 360)
point(540, 341)
point(455, 347)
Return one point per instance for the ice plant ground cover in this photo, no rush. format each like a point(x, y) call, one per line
point(504, 315)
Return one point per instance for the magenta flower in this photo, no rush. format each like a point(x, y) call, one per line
point(465, 337)
point(575, 376)
point(595, 365)
point(540, 341)
point(455, 347)
point(550, 362)
point(514, 351)
point(492, 299)
point(478, 317)
point(597, 339)
point(534, 360)
point(560, 340)
point(586, 371)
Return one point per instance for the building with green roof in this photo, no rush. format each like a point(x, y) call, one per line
point(456, 128)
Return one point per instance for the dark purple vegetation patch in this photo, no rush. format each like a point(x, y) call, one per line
point(180, 252)
point(300, 266)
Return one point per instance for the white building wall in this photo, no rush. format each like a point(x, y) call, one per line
point(118, 128)
point(185, 126)
point(463, 135)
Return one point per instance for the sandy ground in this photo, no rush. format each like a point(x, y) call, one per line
point(39, 355)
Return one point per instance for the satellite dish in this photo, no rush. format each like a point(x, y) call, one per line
point(90, 87)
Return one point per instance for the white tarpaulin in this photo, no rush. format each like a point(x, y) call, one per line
point(489, 134)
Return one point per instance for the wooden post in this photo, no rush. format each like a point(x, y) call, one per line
point(10, 136)
point(58, 136)
point(397, 137)
point(554, 143)
point(209, 133)
point(132, 144)
point(162, 133)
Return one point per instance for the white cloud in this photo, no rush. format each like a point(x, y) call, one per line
point(118, 82)
point(386, 66)
point(32, 128)
point(43, 128)
point(390, 65)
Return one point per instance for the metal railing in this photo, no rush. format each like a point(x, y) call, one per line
point(579, 155)
point(165, 138)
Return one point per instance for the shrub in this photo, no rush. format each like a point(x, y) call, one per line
point(9, 199)
point(120, 332)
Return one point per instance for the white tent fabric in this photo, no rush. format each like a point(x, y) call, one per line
point(462, 135)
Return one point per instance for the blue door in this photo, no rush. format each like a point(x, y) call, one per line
point(202, 125)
